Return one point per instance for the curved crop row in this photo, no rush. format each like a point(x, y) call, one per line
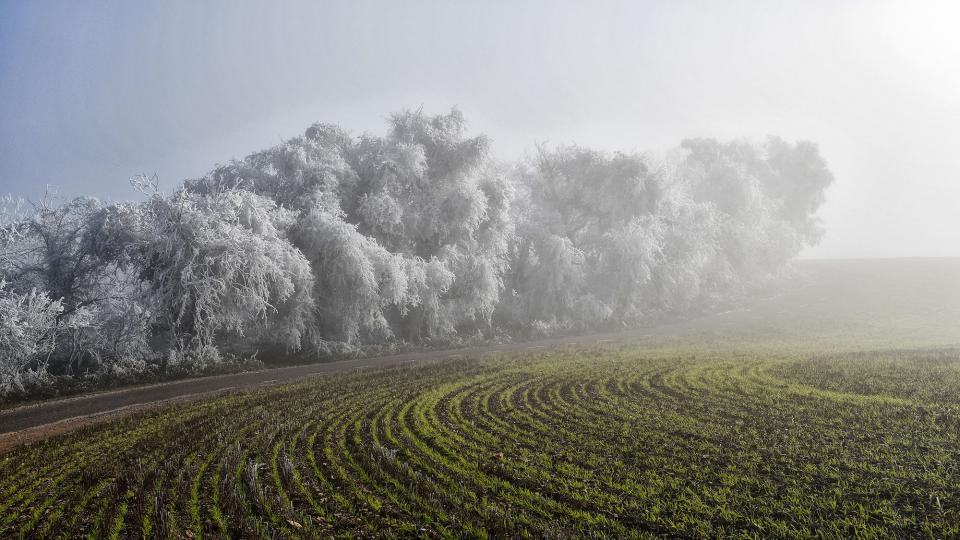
point(603, 441)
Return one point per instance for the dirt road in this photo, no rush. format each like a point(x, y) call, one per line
point(830, 287)
point(36, 422)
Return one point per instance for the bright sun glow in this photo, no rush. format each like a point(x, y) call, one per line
point(925, 35)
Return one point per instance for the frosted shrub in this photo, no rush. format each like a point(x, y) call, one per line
point(220, 264)
point(29, 328)
point(407, 233)
point(331, 242)
point(616, 237)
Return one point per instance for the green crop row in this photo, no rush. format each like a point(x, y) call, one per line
point(602, 441)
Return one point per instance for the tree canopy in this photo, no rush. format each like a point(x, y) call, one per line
point(419, 235)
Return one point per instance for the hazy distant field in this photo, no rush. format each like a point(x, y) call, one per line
point(833, 410)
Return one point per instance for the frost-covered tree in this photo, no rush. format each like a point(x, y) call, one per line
point(29, 326)
point(74, 253)
point(407, 233)
point(455, 210)
point(62, 249)
point(332, 238)
point(356, 278)
point(615, 237)
point(590, 236)
point(222, 263)
point(767, 196)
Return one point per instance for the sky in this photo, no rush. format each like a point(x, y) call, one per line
point(92, 93)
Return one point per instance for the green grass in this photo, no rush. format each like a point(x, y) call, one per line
point(606, 440)
point(830, 419)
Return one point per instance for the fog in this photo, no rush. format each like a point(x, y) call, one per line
point(547, 268)
point(94, 93)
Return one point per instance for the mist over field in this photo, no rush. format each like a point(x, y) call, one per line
point(329, 242)
point(618, 269)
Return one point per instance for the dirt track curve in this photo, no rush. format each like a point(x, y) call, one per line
point(829, 284)
point(36, 422)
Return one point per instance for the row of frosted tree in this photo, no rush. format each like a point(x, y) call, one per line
point(332, 241)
